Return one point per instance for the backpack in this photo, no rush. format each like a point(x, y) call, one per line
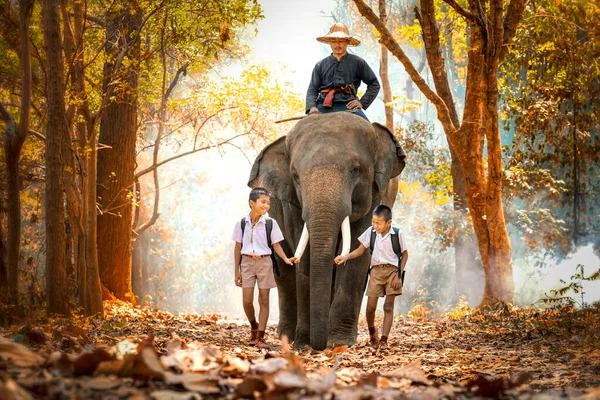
point(269, 229)
point(397, 250)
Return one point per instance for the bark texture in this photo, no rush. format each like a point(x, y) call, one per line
point(116, 163)
point(15, 136)
point(57, 145)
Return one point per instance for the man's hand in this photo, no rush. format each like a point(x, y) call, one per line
point(354, 104)
point(238, 280)
point(396, 283)
point(340, 259)
point(314, 110)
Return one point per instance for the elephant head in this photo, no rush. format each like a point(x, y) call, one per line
point(334, 168)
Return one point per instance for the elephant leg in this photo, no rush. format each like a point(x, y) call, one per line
point(349, 292)
point(286, 290)
point(303, 295)
point(346, 304)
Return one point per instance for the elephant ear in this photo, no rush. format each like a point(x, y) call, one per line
point(389, 157)
point(271, 170)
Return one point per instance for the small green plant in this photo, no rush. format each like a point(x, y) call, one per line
point(560, 297)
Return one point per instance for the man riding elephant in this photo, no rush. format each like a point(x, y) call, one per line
point(327, 175)
point(336, 78)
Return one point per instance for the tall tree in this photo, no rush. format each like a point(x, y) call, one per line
point(57, 145)
point(490, 32)
point(383, 74)
point(197, 33)
point(116, 163)
point(14, 138)
point(401, 15)
point(82, 194)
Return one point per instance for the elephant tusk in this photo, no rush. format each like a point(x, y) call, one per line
point(346, 236)
point(302, 243)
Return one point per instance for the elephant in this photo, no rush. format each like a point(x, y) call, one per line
point(330, 171)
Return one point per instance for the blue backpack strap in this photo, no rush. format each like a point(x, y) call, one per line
point(372, 242)
point(269, 229)
point(371, 248)
point(396, 243)
point(398, 251)
point(243, 226)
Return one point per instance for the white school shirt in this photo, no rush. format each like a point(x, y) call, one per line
point(259, 245)
point(383, 252)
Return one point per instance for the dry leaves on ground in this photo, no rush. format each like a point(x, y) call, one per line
point(140, 353)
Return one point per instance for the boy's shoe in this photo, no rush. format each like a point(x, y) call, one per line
point(374, 339)
point(253, 335)
point(260, 340)
point(383, 342)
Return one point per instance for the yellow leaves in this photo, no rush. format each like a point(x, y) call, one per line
point(409, 189)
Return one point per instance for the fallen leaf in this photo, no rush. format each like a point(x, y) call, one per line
point(86, 363)
point(111, 367)
point(286, 380)
point(172, 395)
point(369, 379)
point(102, 383)
point(269, 366)
point(338, 350)
point(18, 354)
point(411, 371)
point(37, 336)
point(147, 366)
point(10, 390)
point(250, 385)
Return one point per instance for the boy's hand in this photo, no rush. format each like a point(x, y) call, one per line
point(293, 260)
point(396, 283)
point(340, 259)
point(238, 280)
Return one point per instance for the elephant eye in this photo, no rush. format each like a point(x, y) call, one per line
point(355, 171)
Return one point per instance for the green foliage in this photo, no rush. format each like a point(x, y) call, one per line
point(551, 86)
point(560, 297)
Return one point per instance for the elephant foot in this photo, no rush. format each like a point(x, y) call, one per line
point(302, 340)
point(341, 341)
point(286, 330)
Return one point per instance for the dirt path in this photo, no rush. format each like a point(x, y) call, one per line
point(510, 353)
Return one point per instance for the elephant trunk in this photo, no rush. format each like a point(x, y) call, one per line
point(327, 202)
point(324, 231)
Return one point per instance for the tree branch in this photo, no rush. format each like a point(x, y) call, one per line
point(37, 135)
point(10, 122)
point(435, 60)
point(396, 50)
point(23, 128)
point(461, 11)
point(511, 21)
point(187, 153)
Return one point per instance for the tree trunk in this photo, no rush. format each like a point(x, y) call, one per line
point(93, 292)
point(56, 142)
point(136, 270)
point(90, 294)
point(3, 272)
point(465, 248)
point(14, 139)
point(483, 192)
point(383, 73)
point(116, 164)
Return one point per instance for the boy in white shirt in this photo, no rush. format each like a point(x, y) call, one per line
point(254, 261)
point(386, 269)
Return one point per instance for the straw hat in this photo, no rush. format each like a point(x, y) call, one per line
point(339, 31)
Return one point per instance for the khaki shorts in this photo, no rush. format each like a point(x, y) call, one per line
point(380, 281)
point(260, 270)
